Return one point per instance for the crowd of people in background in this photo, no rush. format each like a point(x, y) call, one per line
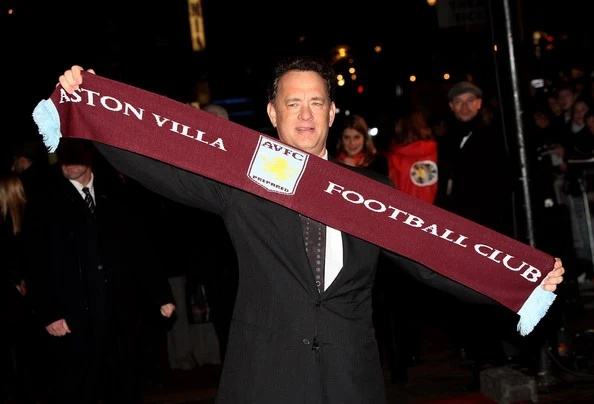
point(468, 164)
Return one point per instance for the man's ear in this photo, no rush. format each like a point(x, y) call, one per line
point(271, 114)
point(331, 114)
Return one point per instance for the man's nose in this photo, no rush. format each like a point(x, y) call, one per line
point(305, 113)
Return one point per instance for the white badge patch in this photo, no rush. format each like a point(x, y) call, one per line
point(276, 166)
point(423, 173)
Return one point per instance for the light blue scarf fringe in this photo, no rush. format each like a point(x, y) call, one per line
point(534, 309)
point(47, 119)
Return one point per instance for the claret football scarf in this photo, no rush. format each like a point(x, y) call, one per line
point(129, 118)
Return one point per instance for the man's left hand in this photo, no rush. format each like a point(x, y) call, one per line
point(554, 277)
point(167, 309)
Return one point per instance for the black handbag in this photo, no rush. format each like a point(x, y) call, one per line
point(198, 307)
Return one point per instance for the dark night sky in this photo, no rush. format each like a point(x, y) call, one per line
point(147, 44)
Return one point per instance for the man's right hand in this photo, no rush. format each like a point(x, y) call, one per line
point(72, 79)
point(58, 328)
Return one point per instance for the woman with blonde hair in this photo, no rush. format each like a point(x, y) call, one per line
point(12, 211)
point(14, 313)
point(12, 203)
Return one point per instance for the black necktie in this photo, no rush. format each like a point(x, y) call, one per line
point(89, 200)
point(314, 236)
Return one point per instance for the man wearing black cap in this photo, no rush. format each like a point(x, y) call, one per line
point(465, 87)
point(473, 169)
point(475, 182)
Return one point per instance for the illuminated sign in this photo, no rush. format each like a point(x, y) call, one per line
point(196, 25)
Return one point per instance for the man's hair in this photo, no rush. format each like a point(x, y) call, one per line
point(216, 110)
point(569, 86)
point(303, 64)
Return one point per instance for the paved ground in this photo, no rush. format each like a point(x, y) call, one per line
point(440, 377)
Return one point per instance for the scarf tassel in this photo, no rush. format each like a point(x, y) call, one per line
point(47, 119)
point(534, 309)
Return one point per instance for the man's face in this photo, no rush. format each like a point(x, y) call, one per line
point(466, 106)
point(555, 106)
point(77, 172)
point(541, 120)
point(302, 113)
point(566, 99)
point(580, 109)
point(20, 164)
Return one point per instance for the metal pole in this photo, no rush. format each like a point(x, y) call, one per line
point(545, 374)
point(519, 125)
point(584, 188)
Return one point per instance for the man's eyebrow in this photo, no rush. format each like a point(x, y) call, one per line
point(315, 98)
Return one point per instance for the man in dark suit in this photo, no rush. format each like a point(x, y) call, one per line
point(92, 279)
point(475, 173)
point(291, 341)
point(476, 182)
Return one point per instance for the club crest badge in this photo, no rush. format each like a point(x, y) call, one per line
point(276, 166)
point(423, 173)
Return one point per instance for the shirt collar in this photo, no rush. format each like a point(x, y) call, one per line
point(79, 187)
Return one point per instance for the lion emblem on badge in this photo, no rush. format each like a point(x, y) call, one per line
point(278, 167)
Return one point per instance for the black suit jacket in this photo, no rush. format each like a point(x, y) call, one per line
point(287, 343)
point(92, 272)
point(481, 175)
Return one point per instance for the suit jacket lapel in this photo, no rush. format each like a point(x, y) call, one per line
point(71, 193)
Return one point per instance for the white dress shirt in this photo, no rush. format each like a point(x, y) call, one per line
point(79, 187)
point(334, 262)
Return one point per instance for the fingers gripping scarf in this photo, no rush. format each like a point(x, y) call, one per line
point(122, 116)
